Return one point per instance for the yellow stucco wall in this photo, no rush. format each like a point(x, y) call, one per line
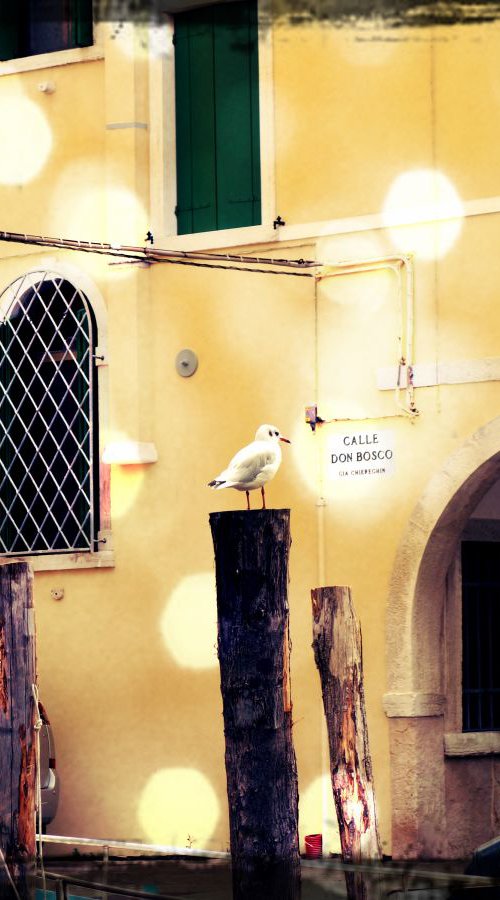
point(126, 662)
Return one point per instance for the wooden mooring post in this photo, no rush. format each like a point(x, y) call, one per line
point(17, 730)
point(338, 653)
point(251, 557)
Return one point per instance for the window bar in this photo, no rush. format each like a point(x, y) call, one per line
point(91, 433)
point(466, 700)
point(40, 308)
point(479, 696)
point(491, 723)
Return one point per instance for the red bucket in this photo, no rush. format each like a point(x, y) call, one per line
point(314, 846)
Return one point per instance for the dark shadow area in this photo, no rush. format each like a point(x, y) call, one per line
point(210, 879)
point(394, 12)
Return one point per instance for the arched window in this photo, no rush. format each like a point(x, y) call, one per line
point(48, 428)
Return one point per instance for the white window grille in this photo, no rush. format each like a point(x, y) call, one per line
point(47, 410)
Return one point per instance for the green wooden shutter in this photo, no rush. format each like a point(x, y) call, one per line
point(195, 122)
point(81, 23)
point(217, 117)
point(10, 29)
point(237, 115)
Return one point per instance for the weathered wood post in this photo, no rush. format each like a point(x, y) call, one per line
point(17, 729)
point(338, 654)
point(251, 557)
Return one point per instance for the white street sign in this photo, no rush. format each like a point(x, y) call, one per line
point(361, 454)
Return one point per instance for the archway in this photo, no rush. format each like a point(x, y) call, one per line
point(415, 701)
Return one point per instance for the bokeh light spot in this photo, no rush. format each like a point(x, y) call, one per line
point(178, 808)
point(194, 601)
point(126, 480)
point(26, 142)
point(306, 454)
point(423, 213)
point(317, 814)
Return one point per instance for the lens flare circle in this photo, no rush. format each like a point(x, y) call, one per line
point(317, 814)
point(192, 600)
point(126, 480)
point(423, 213)
point(26, 141)
point(178, 808)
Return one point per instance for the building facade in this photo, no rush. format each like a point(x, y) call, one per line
point(329, 195)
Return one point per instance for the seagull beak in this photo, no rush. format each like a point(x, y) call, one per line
point(285, 440)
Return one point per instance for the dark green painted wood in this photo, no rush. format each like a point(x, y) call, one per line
point(81, 23)
point(28, 27)
point(195, 123)
point(235, 38)
point(217, 118)
point(10, 29)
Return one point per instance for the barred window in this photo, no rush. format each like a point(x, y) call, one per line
point(480, 629)
point(48, 403)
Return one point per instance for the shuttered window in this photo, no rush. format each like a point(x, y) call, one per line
point(217, 117)
point(28, 27)
point(480, 629)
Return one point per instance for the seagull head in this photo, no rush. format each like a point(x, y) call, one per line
point(270, 433)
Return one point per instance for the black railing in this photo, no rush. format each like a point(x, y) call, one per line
point(61, 884)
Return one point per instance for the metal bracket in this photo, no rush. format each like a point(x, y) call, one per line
point(105, 539)
point(100, 359)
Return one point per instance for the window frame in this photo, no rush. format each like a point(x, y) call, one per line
point(26, 16)
point(457, 742)
point(102, 557)
point(56, 57)
point(163, 188)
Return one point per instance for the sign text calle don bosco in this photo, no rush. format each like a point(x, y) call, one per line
point(361, 454)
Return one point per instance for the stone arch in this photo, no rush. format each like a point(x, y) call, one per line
point(415, 698)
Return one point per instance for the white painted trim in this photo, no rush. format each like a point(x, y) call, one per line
point(132, 845)
point(55, 562)
point(267, 118)
point(163, 192)
point(80, 278)
point(129, 453)
point(162, 131)
point(375, 221)
point(218, 240)
point(464, 371)
point(239, 237)
point(472, 743)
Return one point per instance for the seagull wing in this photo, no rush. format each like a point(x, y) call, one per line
point(248, 463)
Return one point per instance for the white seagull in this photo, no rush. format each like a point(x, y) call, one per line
point(253, 465)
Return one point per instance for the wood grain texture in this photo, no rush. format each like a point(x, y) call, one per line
point(17, 718)
point(251, 553)
point(338, 654)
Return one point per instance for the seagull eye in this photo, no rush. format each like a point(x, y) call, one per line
point(276, 433)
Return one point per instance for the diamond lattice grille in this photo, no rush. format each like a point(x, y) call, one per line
point(46, 367)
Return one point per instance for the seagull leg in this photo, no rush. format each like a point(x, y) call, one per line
point(263, 497)
point(248, 499)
